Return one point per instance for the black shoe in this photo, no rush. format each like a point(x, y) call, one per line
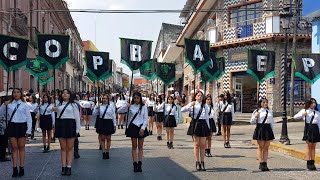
point(309, 165)
point(100, 148)
point(218, 134)
point(68, 171)
point(118, 126)
point(76, 156)
point(63, 171)
point(88, 127)
point(198, 166)
point(266, 167)
point(104, 155)
point(202, 164)
point(107, 155)
point(48, 149)
point(168, 145)
point(150, 132)
point(15, 172)
point(171, 145)
point(160, 138)
point(44, 149)
point(261, 166)
point(135, 167)
point(206, 153)
point(313, 167)
point(139, 166)
point(121, 126)
point(209, 153)
point(21, 172)
point(228, 145)
point(225, 145)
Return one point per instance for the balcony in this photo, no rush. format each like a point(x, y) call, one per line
point(19, 21)
point(33, 32)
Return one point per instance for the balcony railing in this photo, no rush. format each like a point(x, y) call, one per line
point(19, 21)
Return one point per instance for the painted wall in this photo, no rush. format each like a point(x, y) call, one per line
point(316, 49)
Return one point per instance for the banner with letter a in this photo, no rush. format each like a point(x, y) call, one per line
point(98, 65)
point(13, 52)
point(134, 53)
point(197, 54)
point(53, 49)
point(261, 64)
point(308, 67)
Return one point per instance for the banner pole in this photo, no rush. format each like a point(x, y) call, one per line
point(54, 86)
point(194, 90)
point(14, 78)
point(7, 99)
point(127, 119)
point(157, 87)
point(205, 88)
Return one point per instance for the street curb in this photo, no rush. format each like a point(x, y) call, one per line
point(300, 154)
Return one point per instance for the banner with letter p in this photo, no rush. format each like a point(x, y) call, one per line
point(308, 67)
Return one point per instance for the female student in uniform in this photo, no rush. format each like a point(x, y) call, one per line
point(212, 117)
point(47, 121)
point(264, 132)
point(33, 110)
point(227, 115)
point(107, 125)
point(170, 120)
point(159, 117)
point(311, 117)
point(122, 107)
point(137, 130)
point(67, 127)
point(20, 124)
point(87, 107)
point(199, 127)
point(151, 104)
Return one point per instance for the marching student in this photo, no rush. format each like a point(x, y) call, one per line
point(137, 130)
point(107, 124)
point(47, 121)
point(76, 154)
point(122, 107)
point(264, 132)
point(159, 117)
point(34, 108)
point(151, 104)
point(87, 107)
point(212, 119)
point(20, 124)
point(311, 135)
point(199, 127)
point(227, 117)
point(170, 120)
point(67, 127)
point(219, 114)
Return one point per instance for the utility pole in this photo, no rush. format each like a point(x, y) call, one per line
point(296, 12)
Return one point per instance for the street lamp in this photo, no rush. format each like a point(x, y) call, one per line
point(285, 16)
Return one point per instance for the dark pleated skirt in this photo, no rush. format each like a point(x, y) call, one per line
point(312, 135)
point(133, 131)
point(150, 111)
point(105, 127)
point(65, 128)
point(87, 111)
point(17, 130)
point(46, 122)
point(263, 132)
point(170, 121)
point(227, 119)
point(159, 117)
point(198, 128)
point(213, 127)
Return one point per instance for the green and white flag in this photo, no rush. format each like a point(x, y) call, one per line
point(98, 65)
point(43, 80)
point(134, 53)
point(261, 64)
point(308, 67)
point(221, 63)
point(149, 69)
point(13, 52)
point(36, 67)
point(212, 71)
point(197, 54)
point(166, 72)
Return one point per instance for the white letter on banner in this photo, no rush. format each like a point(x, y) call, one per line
point(307, 63)
point(197, 53)
point(262, 63)
point(56, 43)
point(135, 52)
point(6, 52)
point(97, 61)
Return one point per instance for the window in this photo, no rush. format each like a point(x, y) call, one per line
point(299, 86)
point(244, 16)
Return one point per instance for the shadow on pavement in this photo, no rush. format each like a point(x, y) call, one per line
point(230, 156)
point(225, 169)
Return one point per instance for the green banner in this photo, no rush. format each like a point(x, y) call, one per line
point(36, 67)
point(149, 69)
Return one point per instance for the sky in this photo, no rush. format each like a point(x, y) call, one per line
point(109, 27)
point(309, 6)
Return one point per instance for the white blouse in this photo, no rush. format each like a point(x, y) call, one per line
point(71, 112)
point(110, 114)
point(174, 111)
point(212, 113)
point(142, 117)
point(159, 107)
point(262, 116)
point(230, 108)
point(204, 114)
point(122, 106)
point(22, 114)
point(308, 117)
point(49, 111)
point(87, 104)
point(151, 103)
point(33, 107)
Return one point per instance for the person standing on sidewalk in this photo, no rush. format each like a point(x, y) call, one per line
point(218, 104)
point(87, 107)
point(159, 117)
point(151, 104)
point(19, 124)
point(311, 135)
point(122, 107)
point(47, 121)
point(34, 108)
point(264, 132)
point(227, 116)
point(199, 127)
point(213, 128)
point(137, 130)
point(67, 127)
point(107, 125)
point(170, 120)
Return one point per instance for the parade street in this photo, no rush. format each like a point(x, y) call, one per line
point(239, 162)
